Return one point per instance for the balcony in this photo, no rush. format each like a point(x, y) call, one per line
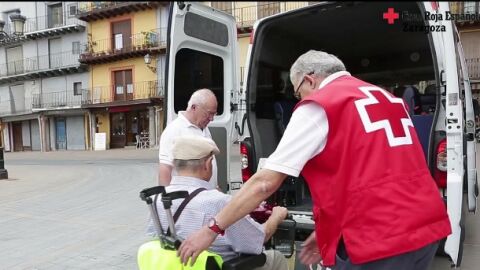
point(473, 67)
point(57, 100)
point(15, 107)
point(50, 65)
point(92, 11)
point(42, 27)
point(467, 13)
point(49, 26)
point(130, 94)
point(111, 49)
point(247, 16)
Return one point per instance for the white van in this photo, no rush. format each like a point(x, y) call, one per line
point(418, 49)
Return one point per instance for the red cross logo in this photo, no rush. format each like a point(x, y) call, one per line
point(379, 110)
point(390, 15)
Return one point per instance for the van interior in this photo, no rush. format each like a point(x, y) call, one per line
point(401, 62)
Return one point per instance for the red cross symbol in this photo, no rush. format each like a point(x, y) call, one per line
point(380, 110)
point(390, 15)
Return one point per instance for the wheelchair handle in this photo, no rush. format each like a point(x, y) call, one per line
point(145, 194)
point(167, 198)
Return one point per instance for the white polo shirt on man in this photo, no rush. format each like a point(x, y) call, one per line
point(181, 127)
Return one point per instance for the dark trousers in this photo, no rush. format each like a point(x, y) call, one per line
point(419, 259)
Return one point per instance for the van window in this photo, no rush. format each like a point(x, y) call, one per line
point(195, 70)
point(206, 29)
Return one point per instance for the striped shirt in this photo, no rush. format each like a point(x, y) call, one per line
point(244, 236)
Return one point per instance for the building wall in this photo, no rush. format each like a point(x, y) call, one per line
point(104, 124)
point(102, 74)
point(140, 21)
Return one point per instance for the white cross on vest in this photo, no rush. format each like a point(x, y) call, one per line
point(379, 110)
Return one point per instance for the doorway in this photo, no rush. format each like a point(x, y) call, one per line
point(118, 136)
point(61, 134)
point(123, 85)
point(17, 136)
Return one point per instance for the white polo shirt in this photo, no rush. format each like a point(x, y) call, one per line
point(305, 136)
point(180, 127)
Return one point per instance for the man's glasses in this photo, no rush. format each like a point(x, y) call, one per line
point(296, 94)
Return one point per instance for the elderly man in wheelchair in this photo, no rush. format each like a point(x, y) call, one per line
point(192, 157)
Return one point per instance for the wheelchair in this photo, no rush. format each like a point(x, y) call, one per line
point(154, 254)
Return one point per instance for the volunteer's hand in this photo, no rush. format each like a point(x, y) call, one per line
point(279, 213)
point(195, 244)
point(309, 253)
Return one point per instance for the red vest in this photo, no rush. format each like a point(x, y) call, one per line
point(371, 184)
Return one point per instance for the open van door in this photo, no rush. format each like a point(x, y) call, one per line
point(471, 145)
point(455, 140)
point(202, 53)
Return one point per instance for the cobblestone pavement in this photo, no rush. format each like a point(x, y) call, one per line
point(81, 210)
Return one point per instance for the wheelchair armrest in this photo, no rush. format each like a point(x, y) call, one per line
point(245, 262)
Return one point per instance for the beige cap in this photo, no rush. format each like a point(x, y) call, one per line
point(193, 147)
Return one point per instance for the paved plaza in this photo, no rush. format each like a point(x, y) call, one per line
point(81, 210)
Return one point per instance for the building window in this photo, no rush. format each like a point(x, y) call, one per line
point(77, 88)
point(76, 47)
point(195, 70)
point(55, 15)
point(121, 35)
point(72, 10)
point(55, 53)
point(14, 60)
point(223, 6)
point(469, 7)
point(123, 81)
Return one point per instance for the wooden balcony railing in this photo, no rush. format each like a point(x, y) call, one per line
point(52, 21)
point(16, 106)
point(134, 91)
point(96, 10)
point(39, 63)
point(246, 16)
point(116, 48)
point(57, 99)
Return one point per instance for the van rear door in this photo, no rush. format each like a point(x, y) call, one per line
point(202, 53)
point(455, 138)
point(471, 151)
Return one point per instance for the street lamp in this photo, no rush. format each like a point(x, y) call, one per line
point(18, 24)
point(148, 60)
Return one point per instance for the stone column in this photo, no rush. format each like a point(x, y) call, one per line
point(42, 125)
point(151, 126)
point(53, 134)
point(93, 128)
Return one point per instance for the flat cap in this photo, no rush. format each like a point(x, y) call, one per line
point(193, 147)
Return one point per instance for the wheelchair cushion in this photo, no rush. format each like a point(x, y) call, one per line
point(151, 256)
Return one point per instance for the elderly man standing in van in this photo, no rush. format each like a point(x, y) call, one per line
point(201, 109)
point(192, 158)
point(376, 205)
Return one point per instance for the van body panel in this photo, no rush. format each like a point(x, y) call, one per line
point(472, 181)
point(455, 139)
point(453, 114)
point(204, 36)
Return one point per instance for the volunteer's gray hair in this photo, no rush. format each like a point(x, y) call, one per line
point(200, 97)
point(191, 164)
point(320, 63)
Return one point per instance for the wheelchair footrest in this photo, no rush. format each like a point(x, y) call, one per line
point(245, 262)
